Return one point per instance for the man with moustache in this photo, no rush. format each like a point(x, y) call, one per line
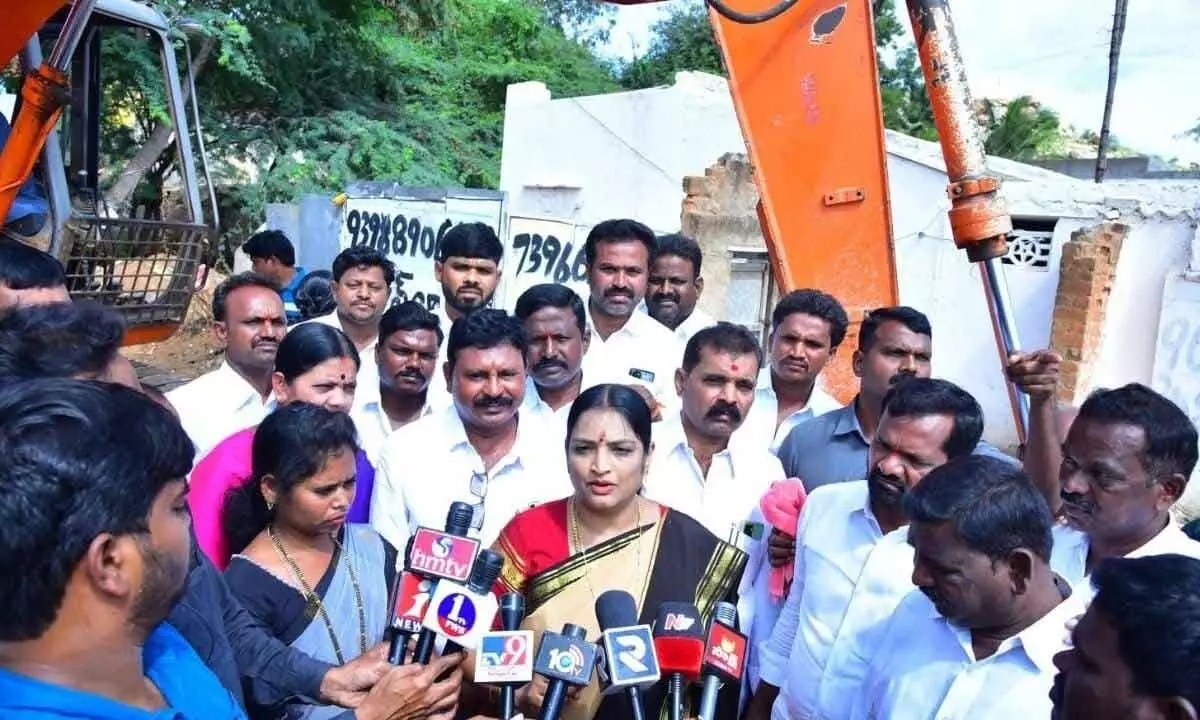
point(481, 451)
point(409, 337)
point(555, 324)
point(853, 530)
point(977, 637)
point(627, 347)
point(1136, 652)
point(675, 286)
point(248, 324)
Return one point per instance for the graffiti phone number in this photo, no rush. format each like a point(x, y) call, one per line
point(395, 235)
point(554, 259)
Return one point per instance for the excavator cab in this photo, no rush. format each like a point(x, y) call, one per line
point(143, 256)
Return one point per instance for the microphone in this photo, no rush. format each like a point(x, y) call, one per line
point(512, 614)
point(564, 659)
point(679, 644)
point(463, 613)
point(724, 657)
point(627, 663)
point(410, 595)
point(447, 555)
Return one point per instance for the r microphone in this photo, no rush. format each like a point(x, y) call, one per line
point(565, 659)
point(463, 613)
point(437, 555)
point(679, 644)
point(724, 657)
point(627, 663)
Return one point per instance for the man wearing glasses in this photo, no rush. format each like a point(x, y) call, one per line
point(482, 450)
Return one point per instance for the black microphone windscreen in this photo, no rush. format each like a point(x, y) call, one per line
point(512, 610)
point(615, 608)
point(458, 520)
point(486, 570)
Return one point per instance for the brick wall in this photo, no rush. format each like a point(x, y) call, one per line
point(1086, 274)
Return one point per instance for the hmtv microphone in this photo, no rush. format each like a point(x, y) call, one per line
point(679, 645)
point(437, 555)
point(463, 613)
point(627, 663)
point(565, 659)
point(724, 657)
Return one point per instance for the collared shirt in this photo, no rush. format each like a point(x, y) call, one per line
point(1069, 555)
point(368, 365)
point(288, 294)
point(642, 352)
point(691, 325)
point(925, 667)
point(190, 689)
point(374, 426)
point(832, 448)
point(216, 405)
point(763, 427)
point(849, 577)
point(427, 465)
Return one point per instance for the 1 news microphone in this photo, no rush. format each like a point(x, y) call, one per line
point(724, 657)
point(629, 665)
point(406, 601)
point(463, 613)
point(512, 614)
point(448, 555)
point(566, 660)
point(679, 645)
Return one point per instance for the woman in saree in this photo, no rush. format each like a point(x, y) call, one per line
point(312, 579)
point(562, 555)
point(315, 364)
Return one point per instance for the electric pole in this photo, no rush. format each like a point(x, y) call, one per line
point(1114, 58)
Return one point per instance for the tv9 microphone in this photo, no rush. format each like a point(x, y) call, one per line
point(463, 613)
point(627, 662)
point(505, 658)
point(724, 657)
point(679, 644)
point(566, 660)
point(438, 555)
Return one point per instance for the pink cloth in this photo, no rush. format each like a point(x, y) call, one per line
point(781, 508)
point(225, 467)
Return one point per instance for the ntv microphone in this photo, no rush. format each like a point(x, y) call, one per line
point(505, 657)
point(463, 613)
point(724, 657)
point(437, 555)
point(679, 644)
point(565, 659)
point(627, 663)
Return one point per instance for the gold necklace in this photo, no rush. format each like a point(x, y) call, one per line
point(577, 541)
point(314, 600)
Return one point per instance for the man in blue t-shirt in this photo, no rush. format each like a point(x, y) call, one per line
point(95, 550)
point(273, 256)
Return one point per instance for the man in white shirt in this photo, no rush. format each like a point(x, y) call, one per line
point(468, 268)
point(976, 640)
point(482, 451)
point(1136, 652)
point(1126, 461)
point(409, 337)
point(248, 323)
point(555, 324)
point(850, 531)
point(675, 285)
point(627, 347)
point(362, 284)
point(807, 328)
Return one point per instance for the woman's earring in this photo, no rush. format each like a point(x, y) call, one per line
point(270, 506)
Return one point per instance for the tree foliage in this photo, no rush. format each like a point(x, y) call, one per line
point(1021, 129)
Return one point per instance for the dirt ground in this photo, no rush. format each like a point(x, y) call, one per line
point(191, 351)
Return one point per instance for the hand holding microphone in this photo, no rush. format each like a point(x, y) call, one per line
point(724, 657)
point(628, 662)
point(679, 645)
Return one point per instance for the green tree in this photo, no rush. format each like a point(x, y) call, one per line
point(1021, 130)
point(683, 40)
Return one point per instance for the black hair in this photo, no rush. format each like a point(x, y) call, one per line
point(410, 315)
point(918, 397)
point(26, 268)
point(994, 506)
point(233, 283)
point(310, 344)
point(679, 245)
point(1153, 603)
point(77, 460)
point(817, 304)
point(270, 244)
point(1170, 435)
point(314, 295)
point(724, 337)
point(291, 445)
point(622, 398)
point(553, 295)
point(471, 240)
point(484, 329)
point(363, 256)
point(59, 340)
point(618, 231)
point(914, 320)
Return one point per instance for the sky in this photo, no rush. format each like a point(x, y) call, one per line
point(1057, 51)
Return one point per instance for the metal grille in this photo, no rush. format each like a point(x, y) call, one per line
point(146, 269)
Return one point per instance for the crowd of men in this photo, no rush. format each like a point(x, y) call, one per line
point(917, 572)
